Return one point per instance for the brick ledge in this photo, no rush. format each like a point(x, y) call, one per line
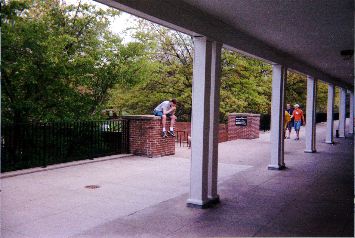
point(141, 117)
point(244, 114)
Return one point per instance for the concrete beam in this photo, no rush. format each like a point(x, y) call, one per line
point(279, 74)
point(351, 123)
point(330, 115)
point(200, 126)
point(214, 122)
point(342, 113)
point(311, 115)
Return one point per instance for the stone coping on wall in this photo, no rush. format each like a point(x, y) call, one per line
point(244, 114)
point(141, 117)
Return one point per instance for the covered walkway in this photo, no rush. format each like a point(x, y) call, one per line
point(141, 197)
point(286, 34)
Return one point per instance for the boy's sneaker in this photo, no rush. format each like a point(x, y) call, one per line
point(171, 133)
point(163, 134)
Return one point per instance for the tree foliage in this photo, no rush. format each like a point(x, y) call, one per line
point(245, 85)
point(245, 82)
point(296, 89)
point(296, 92)
point(168, 72)
point(59, 61)
point(62, 62)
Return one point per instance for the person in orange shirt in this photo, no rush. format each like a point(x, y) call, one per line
point(298, 117)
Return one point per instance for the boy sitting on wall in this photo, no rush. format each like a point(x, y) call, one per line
point(167, 109)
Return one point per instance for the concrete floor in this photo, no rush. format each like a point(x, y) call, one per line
point(142, 197)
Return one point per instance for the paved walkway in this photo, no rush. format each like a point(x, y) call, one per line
point(142, 197)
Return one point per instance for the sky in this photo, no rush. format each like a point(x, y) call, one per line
point(118, 24)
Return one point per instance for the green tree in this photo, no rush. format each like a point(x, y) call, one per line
point(296, 89)
point(296, 92)
point(59, 61)
point(322, 96)
point(167, 70)
point(245, 83)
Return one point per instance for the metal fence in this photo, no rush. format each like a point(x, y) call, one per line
point(41, 144)
point(181, 138)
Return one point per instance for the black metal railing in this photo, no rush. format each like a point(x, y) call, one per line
point(181, 138)
point(41, 144)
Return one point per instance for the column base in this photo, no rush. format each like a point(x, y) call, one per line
point(310, 151)
point(202, 204)
point(214, 200)
point(276, 167)
point(329, 142)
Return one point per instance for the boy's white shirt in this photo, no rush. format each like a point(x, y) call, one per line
point(163, 107)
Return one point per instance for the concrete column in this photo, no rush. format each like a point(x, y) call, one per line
point(311, 115)
point(214, 123)
point(200, 127)
point(351, 119)
point(279, 74)
point(330, 115)
point(342, 112)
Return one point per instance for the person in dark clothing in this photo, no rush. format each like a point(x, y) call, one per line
point(289, 126)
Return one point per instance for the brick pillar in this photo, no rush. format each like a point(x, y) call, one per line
point(145, 136)
point(248, 131)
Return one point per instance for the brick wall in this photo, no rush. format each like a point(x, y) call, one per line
point(251, 131)
point(183, 126)
point(145, 136)
point(145, 133)
point(223, 133)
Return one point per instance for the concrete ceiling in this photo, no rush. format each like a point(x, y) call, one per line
point(305, 35)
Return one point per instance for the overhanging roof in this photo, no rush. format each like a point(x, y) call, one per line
point(306, 36)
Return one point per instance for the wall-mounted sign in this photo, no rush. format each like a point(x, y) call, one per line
point(241, 121)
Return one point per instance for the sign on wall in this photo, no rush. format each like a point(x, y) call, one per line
point(241, 121)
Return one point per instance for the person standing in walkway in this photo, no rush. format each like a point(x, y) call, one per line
point(164, 110)
point(289, 109)
point(298, 117)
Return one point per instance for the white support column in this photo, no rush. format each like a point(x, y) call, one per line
point(342, 112)
point(279, 74)
point(351, 118)
point(311, 115)
point(330, 115)
point(201, 88)
point(214, 122)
